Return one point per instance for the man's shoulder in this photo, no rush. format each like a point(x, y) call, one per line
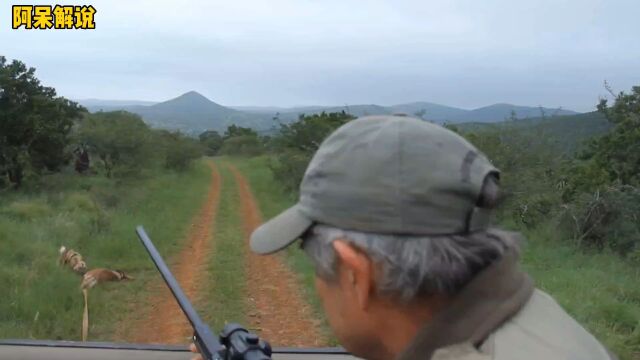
point(543, 330)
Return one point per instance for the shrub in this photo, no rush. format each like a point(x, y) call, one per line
point(297, 142)
point(288, 168)
point(608, 218)
point(246, 145)
point(179, 150)
point(121, 141)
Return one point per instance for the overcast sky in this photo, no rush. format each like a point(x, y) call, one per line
point(464, 53)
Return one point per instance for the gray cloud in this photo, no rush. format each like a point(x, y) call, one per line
point(292, 52)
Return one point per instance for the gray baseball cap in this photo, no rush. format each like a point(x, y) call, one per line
point(387, 175)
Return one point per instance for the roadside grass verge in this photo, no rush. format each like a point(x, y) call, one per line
point(97, 217)
point(599, 289)
point(224, 297)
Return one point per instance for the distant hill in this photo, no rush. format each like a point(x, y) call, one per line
point(193, 113)
point(568, 133)
point(190, 113)
point(433, 112)
point(105, 105)
point(499, 112)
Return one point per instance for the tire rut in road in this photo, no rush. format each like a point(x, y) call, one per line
point(164, 322)
point(277, 310)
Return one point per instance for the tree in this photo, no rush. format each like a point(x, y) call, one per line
point(238, 140)
point(297, 142)
point(212, 141)
point(618, 151)
point(119, 138)
point(613, 158)
point(179, 150)
point(603, 183)
point(309, 131)
point(34, 123)
point(234, 130)
point(420, 113)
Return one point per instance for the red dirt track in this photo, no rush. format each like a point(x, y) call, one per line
point(165, 323)
point(277, 311)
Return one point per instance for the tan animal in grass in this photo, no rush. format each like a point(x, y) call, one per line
point(92, 278)
point(96, 276)
point(73, 259)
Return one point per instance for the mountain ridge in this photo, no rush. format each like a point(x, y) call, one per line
point(193, 112)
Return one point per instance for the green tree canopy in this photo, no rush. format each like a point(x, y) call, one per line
point(234, 131)
point(613, 158)
point(212, 141)
point(119, 138)
point(179, 150)
point(34, 123)
point(297, 142)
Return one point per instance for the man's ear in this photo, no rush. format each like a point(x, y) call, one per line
point(355, 272)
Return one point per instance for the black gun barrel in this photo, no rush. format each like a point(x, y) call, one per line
point(208, 344)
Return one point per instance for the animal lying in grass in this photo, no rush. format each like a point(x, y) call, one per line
point(90, 279)
point(73, 259)
point(96, 276)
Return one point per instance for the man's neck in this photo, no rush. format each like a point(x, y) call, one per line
point(398, 328)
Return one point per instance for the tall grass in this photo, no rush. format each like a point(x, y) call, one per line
point(97, 217)
point(599, 289)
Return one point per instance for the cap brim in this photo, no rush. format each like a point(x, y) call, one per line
point(280, 232)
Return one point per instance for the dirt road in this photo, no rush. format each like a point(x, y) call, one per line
point(165, 323)
point(276, 306)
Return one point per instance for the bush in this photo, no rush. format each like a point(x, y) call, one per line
point(608, 218)
point(121, 140)
point(288, 168)
point(179, 150)
point(212, 141)
point(533, 210)
point(297, 142)
point(246, 145)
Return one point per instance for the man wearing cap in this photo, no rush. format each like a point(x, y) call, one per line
point(395, 212)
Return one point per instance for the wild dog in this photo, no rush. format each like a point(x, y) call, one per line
point(73, 259)
point(92, 278)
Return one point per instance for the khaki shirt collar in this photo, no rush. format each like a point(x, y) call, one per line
point(492, 297)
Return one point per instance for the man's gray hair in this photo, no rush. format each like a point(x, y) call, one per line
point(412, 266)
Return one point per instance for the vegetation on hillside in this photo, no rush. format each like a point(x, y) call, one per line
point(41, 133)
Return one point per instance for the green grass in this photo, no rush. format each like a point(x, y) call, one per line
point(96, 216)
point(225, 292)
point(599, 289)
